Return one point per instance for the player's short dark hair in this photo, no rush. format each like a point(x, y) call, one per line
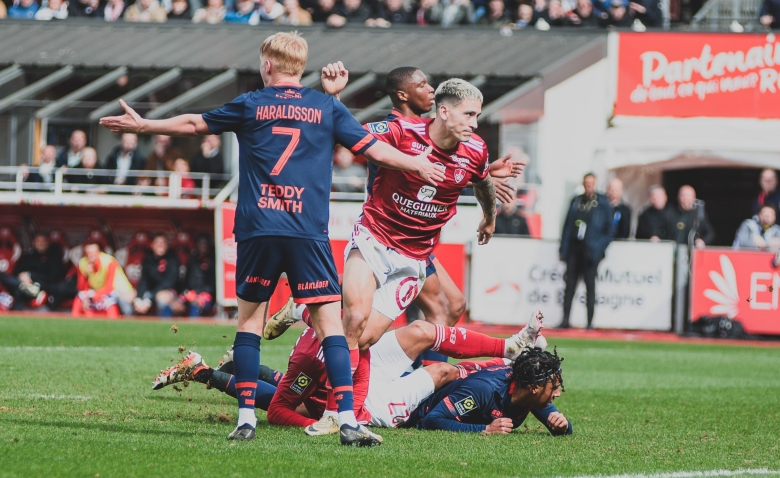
point(398, 78)
point(536, 367)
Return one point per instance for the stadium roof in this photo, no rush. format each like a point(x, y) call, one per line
point(465, 52)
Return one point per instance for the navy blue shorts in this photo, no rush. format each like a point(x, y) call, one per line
point(308, 264)
point(430, 268)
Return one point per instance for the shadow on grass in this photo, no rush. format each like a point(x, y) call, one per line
point(105, 427)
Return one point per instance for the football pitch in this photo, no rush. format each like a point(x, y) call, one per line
point(76, 400)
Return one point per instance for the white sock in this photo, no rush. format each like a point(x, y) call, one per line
point(348, 418)
point(297, 311)
point(247, 416)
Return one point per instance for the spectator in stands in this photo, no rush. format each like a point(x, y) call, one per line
point(457, 12)
point(602, 7)
point(657, 221)
point(146, 11)
point(496, 15)
point(586, 16)
point(201, 279)
point(294, 14)
point(103, 288)
point(621, 221)
point(349, 11)
point(323, 10)
point(244, 12)
point(348, 176)
point(25, 9)
point(209, 159)
point(46, 168)
point(123, 158)
point(617, 16)
point(429, 12)
point(510, 221)
point(159, 276)
point(691, 221)
point(770, 194)
point(648, 12)
point(769, 15)
point(163, 154)
point(587, 231)
point(71, 156)
point(85, 8)
point(269, 11)
point(759, 232)
point(525, 16)
point(114, 10)
point(180, 10)
point(34, 273)
point(83, 177)
point(53, 10)
point(556, 16)
point(213, 12)
point(390, 12)
point(182, 167)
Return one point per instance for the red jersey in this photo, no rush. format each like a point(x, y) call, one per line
point(304, 383)
point(404, 212)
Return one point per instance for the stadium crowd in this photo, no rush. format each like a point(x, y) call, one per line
point(151, 275)
point(505, 14)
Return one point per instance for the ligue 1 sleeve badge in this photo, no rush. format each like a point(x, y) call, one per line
point(378, 128)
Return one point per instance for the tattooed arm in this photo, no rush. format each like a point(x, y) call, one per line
point(485, 193)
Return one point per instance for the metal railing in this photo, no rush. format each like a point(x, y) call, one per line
point(728, 15)
point(162, 184)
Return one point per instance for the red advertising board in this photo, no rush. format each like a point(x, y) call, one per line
point(698, 74)
point(451, 256)
point(741, 285)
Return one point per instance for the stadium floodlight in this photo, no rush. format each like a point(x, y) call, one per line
point(68, 100)
point(30, 91)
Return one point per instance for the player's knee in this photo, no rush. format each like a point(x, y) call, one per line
point(457, 309)
point(442, 373)
point(423, 332)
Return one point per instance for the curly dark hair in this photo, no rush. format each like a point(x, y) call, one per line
point(536, 367)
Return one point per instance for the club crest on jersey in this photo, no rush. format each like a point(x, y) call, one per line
point(378, 128)
point(406, 292)
point(426, 193)
point(460, 175)
point(466, 405)
point(300, 383)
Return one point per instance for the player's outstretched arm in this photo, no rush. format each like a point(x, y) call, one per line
point(485, 193)
point(505, 192)
point(132, 122)
point(386, 156)
point(334, 78)
point(505, 168)
point(554, 420)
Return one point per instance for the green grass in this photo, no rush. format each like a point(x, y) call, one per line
point(75, 400)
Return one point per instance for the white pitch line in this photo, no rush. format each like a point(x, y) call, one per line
point(34, 348)
point(692, 474)
point(81, 398)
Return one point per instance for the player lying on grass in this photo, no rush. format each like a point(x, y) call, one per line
point(300, 397)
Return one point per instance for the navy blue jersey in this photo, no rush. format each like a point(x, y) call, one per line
point(373, 169)
point(286, 135)
point(470, 404)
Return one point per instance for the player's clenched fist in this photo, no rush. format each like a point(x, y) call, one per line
point(428, 171)
point(557, 422)
point(500, 426)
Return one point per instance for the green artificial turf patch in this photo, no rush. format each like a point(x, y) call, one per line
point(76, 400)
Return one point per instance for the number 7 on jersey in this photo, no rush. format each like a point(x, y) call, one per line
point(296, 136)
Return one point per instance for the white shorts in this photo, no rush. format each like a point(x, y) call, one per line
point(392, 398)
point(400, 278)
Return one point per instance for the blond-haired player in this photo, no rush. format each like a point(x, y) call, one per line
point(286, 135)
